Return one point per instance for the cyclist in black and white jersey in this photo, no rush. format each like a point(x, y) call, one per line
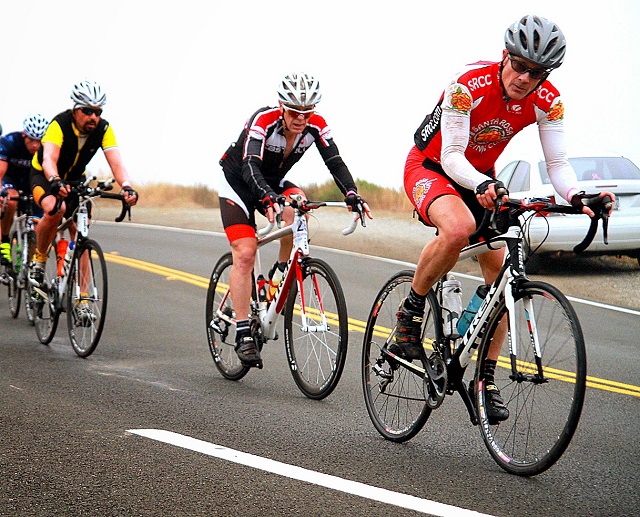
point(272, 141)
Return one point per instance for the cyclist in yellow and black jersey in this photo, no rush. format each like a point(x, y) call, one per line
point(69, 143)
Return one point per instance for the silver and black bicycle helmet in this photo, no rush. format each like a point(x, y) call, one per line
point(538, 40)
point(88, 94)
point(34, 126)
point(299, 89)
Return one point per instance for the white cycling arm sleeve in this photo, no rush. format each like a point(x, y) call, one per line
point(455, 138)
point(562, 175)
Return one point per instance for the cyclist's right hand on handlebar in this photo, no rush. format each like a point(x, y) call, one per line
point(59, 188)
point(487, 193)
point(272, 203)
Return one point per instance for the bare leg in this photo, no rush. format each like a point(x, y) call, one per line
point(455, 223)
point(244, 256)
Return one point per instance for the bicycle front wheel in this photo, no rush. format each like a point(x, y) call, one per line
point(23, 277)
point(543, 383)
point(221, 331)
point(395, 397)
point(316, 329)
point(44, 300)
point(87, 295)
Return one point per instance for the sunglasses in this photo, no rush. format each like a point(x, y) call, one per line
point(520, 68)
point(91, 111)
point(295, 113)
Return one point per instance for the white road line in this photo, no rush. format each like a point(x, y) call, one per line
point(317, 478)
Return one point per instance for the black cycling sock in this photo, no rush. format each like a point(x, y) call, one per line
point(489, 370)
point(5, 238)
point(242, 328)
point(415, 302)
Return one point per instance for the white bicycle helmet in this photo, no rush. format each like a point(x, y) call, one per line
point(34, 126)
point(538, 40)
point(299, 89)
point(88, 94)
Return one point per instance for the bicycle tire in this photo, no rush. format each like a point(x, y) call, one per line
point(46, 312)
point(86, 308)
point(220, 335)
point(316, 342)
point(395, 396)
point(543, 416)
point(14, 290)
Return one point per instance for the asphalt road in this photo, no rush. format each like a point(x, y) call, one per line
point(147, 426)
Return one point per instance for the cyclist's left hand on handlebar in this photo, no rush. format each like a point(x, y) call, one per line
point(356, 204)
point(130, 195)
point(487, 193)
point(577, 200)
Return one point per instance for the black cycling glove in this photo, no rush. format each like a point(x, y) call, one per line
point(131, 192)
point(484, 186)
point(272, 199)
point(353, 200)
point(57, 186)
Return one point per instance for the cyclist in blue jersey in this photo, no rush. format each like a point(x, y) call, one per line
point(16, 152)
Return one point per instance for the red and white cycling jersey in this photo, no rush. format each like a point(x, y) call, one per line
point(493, 120)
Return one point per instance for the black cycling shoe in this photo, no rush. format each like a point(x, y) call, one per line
point(408, 334)
point(497, 410)
point(248, 352)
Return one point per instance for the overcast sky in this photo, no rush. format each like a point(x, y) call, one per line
point(182, 77)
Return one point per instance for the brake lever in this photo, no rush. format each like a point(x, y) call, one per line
point(607, 204)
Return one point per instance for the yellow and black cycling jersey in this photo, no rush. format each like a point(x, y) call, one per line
point(76, 149)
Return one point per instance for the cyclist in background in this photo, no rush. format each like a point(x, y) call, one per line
point(71, 140)
point(254, 167)
point(450, 171)
point(16, 152)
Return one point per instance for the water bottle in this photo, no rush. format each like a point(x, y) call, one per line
point(61, 251)
point(472, 309)
point(67, 256)
point(275, 277)
point(452, 305)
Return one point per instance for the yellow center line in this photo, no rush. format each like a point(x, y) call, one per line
point(359, 326)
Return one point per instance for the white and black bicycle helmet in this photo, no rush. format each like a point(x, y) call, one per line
point(538, 40)
point(34, 126)
point(88, 94)
point(299, 89)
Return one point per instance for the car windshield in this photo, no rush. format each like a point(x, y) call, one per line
point(598, 168)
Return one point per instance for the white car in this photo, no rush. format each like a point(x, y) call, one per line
point(558, 233)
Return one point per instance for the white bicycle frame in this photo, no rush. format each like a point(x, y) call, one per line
point(269, 313)
point(474, 334)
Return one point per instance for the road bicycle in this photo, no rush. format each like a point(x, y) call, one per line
point(22, 237)
point(542, 365)
point(310, 298)
point(80, 287)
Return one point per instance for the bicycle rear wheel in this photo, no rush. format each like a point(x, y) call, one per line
point(87, 295)
point(317, 337)
point(46, 308)
point(221, 333)
point(395, 397)
point(23, 276)
point(543, 391)
point(13, 274)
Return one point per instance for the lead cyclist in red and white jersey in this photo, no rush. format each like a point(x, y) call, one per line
point(449, 173)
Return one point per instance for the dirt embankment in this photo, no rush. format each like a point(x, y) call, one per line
point(610, 280)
